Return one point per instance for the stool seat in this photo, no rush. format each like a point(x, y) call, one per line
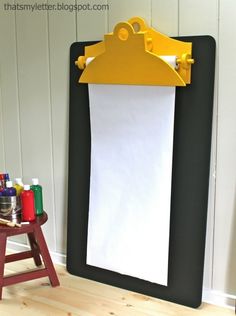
point(38, 250)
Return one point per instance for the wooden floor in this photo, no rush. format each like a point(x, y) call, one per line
point(81, 297)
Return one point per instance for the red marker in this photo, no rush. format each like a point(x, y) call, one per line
point(27, 203)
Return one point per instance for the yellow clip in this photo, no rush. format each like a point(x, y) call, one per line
point(133, 54)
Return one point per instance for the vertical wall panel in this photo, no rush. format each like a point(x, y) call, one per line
point(198, 17)
point(165, 16)
point(2, 149)
point(201, 18)
point(225, 225)
point(9, 87)
point(60, 39)
point(10, 133)
point(123, 10)
point(35, 112)
point(91, 23)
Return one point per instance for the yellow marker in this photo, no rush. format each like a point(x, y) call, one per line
point(18, 186)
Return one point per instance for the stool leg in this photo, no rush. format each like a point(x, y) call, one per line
point(46, 256)
point(3, 242)
point(35, 249)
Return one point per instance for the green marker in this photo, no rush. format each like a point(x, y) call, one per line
point(38, 196)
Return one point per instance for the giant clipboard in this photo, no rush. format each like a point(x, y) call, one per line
point(190, 177)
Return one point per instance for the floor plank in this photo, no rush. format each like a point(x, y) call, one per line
point(80, 297)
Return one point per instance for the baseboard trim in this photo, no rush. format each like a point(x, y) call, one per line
point(208, 296)
point(218, 298)
point(57, 257)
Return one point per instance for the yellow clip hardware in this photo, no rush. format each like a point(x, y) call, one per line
point(133, 54)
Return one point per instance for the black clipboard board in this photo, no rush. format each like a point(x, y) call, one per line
point(190, 179)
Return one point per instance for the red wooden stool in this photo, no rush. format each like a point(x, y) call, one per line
point(38, 249)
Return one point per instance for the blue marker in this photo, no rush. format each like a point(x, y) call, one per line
point(9, 190)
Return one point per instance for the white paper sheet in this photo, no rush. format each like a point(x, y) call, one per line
point(130, 184)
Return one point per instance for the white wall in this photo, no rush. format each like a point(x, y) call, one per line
point(34, 77)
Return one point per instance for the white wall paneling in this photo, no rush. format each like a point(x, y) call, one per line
point(9, 93)
point(62, 33)
point(35, 106)
point(91, 24)
point(198, 17)
point(34, 78)
point(123, 10)
point(10, 131)
point(165, 16)
point(2, 150)
point(224, 268)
